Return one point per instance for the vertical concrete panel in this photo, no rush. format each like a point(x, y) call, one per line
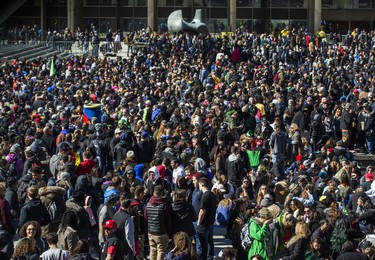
point(151, 16)
point(317, 15)
point(232, 14)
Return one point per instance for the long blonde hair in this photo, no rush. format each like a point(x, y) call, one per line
point(293, 128)
point(163, 127)
point(302, 231)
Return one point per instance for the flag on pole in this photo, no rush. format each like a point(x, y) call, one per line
point(52, 70)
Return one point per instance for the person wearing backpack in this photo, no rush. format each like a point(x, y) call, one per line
point(258, 231)
point(52, 198)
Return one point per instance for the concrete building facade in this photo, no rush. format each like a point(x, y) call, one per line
point(223, 15)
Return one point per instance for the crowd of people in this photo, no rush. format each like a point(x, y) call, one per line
point(252, 132)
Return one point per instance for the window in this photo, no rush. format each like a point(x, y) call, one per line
point(280, 3)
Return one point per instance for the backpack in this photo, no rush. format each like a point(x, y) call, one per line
point(246, 240)
point(89, 211)
point(54, 211)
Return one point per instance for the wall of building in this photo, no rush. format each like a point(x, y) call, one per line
point(255, 15)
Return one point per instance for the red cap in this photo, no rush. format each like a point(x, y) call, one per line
point(330, 150)
point(369, 176)
point(259, 142)
point(299, 157)
point(94, 97)
point(356, 91)
point(110, 224)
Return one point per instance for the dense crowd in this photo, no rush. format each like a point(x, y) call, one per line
point(252, 132)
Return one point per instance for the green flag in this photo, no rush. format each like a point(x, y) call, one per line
point(52, 70)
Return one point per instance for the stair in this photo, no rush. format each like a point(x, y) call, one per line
point(28, 51)
point(33, 51)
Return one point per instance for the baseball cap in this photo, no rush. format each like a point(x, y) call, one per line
point(299, 157)
point(64, 176)
point(123, 136)
point(110, 224)
point(323, 175)
point(144, 134)
point(369, 176)
point(118, 131)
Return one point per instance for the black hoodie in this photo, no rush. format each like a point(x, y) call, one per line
point(183, 216)
point(34, 210)
point(348, 252)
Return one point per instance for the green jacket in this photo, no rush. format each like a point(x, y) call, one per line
point(311, 256)
point(258, 234)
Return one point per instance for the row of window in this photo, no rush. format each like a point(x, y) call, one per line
point(346, 4)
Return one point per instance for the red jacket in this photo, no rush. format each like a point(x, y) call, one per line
point(85, 167)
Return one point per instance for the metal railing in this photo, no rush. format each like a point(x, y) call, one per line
point(73, 47)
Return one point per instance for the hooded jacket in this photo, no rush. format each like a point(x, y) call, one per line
point(82, 184)
point(120, 151)
point(234, 168)
point(183, 216)
point(258, 232)
point(84, 227)
point(158, 216)
point(54, 194)
point(34, 210)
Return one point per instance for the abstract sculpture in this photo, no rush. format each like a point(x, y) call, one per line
point(177, 24)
